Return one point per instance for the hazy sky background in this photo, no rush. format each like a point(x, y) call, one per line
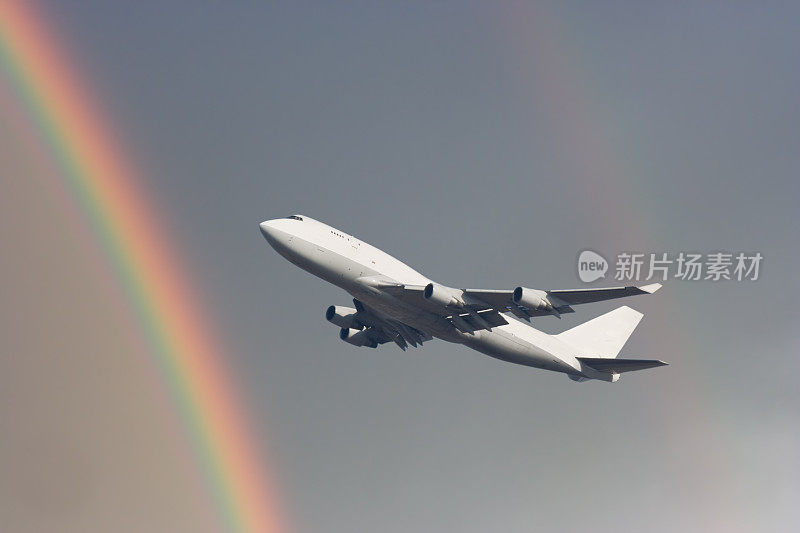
point(485, 144)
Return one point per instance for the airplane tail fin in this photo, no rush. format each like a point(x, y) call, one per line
point(603, 337)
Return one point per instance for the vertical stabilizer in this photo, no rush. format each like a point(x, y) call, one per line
point(604, 336)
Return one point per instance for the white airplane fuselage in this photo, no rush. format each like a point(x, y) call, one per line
point(356, 267)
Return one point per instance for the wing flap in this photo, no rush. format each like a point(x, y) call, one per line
point(486, 319)
point(383, 329)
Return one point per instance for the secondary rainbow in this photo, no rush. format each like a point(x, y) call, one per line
point(556, 70)
point(105, 184)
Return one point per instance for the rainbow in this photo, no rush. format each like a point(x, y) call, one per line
point(552, 70)
point(105, 185)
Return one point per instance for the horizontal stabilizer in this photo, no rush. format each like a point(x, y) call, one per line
point(617, 366)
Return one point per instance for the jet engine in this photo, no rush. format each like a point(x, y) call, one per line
point(444, 296)
point(357, 337)
point(344, 317)
point(533, 299)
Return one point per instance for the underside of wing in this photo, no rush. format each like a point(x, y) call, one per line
point(527, 303)
point(504, 301)
point(467, 309)
point(494, 299)
point(473, 321)
point(523, 302)
point(383, 329)
point(585, 296)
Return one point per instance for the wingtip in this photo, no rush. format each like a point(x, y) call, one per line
point(650, 289)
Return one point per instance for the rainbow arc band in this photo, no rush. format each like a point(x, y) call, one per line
point(105, 184)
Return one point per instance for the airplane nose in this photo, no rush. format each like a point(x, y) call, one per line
point(266, 228)
point(276, 237)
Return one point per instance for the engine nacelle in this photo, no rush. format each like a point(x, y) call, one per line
point(444, 296)
point(533, 299)
point(357, 337)
point(344, 317)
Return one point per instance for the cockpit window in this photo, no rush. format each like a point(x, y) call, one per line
point(295, 217)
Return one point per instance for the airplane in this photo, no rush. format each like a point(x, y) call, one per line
point(395, 303)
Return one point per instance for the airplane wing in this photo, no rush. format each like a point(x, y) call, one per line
point(468, 318)
point(502, 300)
point(540, 303)
point(585, 296)
point(563, 297)
point(383, 329)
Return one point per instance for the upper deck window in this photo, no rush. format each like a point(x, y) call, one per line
point(295, 217)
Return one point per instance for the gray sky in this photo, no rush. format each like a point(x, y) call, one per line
point(486, 146)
